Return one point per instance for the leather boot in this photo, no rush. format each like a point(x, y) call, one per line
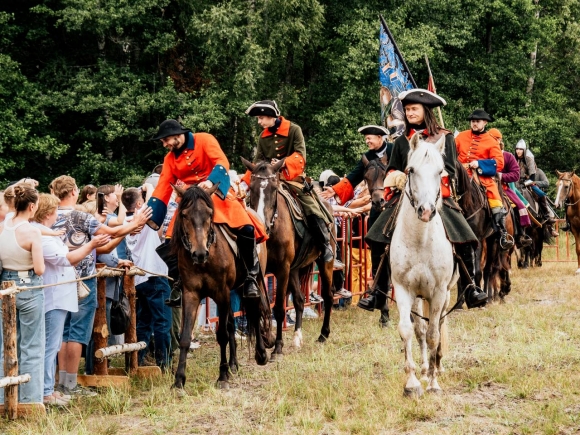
point(474, 296)
point(543, 203)
point(164, 252)
point(506, 241)
point(377, 299)
point(249, 256)
point(321, 235)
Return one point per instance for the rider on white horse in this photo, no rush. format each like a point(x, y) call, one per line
point(419, 119)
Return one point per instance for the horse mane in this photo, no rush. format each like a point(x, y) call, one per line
point(425, 154)
point(189, 197)
point(463, 185)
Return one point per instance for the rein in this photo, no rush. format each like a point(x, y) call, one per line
point(409, 192)
point(211, 239)
point(566, 203)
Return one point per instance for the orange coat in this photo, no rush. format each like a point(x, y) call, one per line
point(200, 159)
point(471, 147)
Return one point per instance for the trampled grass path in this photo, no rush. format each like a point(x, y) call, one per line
point(512, 369)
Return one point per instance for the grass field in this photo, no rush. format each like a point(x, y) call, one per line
point(512, 369)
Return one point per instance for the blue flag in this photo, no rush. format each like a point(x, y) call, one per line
point(395, 78)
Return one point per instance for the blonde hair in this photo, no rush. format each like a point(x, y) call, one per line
point(47, 204)
point(62, 186)
point(9, 196)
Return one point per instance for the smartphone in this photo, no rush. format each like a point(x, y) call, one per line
point(100, 202)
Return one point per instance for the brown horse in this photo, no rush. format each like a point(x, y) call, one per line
point(569, 196)
point(288, 259)
point(208, 268)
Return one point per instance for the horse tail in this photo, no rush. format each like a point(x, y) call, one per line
point(259, 316)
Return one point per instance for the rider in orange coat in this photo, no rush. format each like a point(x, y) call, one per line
point(478, 151)
point(197, 159)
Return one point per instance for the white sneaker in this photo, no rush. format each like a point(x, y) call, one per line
point(309, 313)
point(315, 298)
point(344, 293)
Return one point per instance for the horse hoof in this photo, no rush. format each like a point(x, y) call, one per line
point(276, 357)
point(234, 369)
point(261, 360)
point(384, 324)
point(413, 393)
point(321, 339)
point(578, 272)
point(179, 392)
point(222, 385)
point(435, 391)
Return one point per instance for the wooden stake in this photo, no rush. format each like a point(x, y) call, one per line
point(131, 361)
point(10, 351)
point(100, 329)
point(120, 348)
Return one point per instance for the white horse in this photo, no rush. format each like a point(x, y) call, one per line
point(422, 263)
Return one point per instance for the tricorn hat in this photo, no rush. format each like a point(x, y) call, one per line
point(264, 108)
point(169, 127)
point(421, 96)
point(373, 129)
point(480, 114)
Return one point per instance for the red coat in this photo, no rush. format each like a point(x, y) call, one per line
point(471, 147)
point(201, 158)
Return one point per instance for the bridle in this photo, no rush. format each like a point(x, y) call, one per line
point(570, 190)
point(381, 166)
point(211, 238)
point(409, 191)
point(275, 215)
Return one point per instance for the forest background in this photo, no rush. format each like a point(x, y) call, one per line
point(85, 83)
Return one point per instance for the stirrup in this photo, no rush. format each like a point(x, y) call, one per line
point(506, 241)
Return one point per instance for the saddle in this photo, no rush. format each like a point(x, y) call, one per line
point(230, 235)
point(295, 208)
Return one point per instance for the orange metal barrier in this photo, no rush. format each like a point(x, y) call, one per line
point(353, 268)
point(559, 256)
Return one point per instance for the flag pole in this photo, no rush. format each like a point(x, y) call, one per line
point(434, 90)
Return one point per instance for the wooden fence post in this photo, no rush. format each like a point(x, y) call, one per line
point(10, 351)
point(131, 359)
point(100, 328)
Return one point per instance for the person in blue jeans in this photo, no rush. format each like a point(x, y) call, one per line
point(154, 317)
point(23, 262)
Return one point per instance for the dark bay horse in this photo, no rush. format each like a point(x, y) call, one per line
point(284, 246)
point(492, 264)
point(209, 268)
point(568, 196)
point(539, 232)
point(374, 175)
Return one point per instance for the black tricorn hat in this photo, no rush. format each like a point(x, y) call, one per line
point(480, 114)
point(264, 108)
point(169, 127)
point(373, 129)
point(421, 96)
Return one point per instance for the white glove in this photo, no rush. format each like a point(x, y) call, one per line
point(528, 183)
point(400, 181)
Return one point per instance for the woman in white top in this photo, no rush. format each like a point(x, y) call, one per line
point(59, 299)
point(23, 263)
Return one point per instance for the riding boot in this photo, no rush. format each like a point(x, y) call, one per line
point(506, 241)
point(523, 240)
point(543, 203)
point(378, 297)
point(474, 296)
point(164, 252)
point(247, 251)
point(319, 231)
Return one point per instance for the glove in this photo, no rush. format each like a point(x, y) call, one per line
point(400, 181)
point(528, 183)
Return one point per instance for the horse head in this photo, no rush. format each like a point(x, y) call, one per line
point(263, 189)
point(565, 186)
point(374, 175)
point(424, 168)
point(193, 229)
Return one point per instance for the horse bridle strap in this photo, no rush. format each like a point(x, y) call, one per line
point(408, 192)
point(568, 204)
point(211, 239)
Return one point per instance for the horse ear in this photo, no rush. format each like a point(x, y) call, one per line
point(365, 160)
point(212, 189)
point(178, 190)
point(558, 173)
point(414, 141)
point(278, 165)
point(440, 144)
point(248, 164)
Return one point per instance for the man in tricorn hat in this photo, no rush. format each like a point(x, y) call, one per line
point(282, 139)
point(478, 151)
point(420, 119)
point(197, 159)
point(379, 148)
